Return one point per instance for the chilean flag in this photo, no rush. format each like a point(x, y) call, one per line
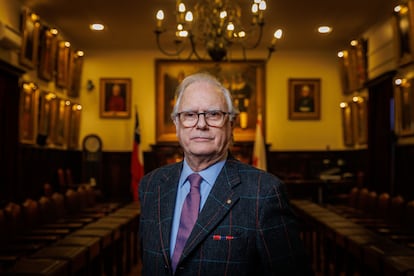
point(137, 164)
point(259, 147)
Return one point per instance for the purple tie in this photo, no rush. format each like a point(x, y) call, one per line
point(189, 216)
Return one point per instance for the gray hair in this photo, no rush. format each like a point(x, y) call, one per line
point(204, 77)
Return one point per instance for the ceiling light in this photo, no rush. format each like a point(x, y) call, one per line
point(96, 27)
point(212, 28)
point(324, 29)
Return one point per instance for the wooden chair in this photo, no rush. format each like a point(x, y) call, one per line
point(33, 223)
point(17, 243)
point(359, 205)
point(366, 215)
point(350, 206)
point(394, 217)
point(49, 218)
point(406, 235)
point(62, 213)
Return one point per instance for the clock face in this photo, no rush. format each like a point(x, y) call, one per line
point(92, 144)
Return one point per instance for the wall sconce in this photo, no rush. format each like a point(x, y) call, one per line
point(89, 85)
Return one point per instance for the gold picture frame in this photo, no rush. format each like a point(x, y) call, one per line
point(304, 98)
point(59, 120)
point(403, 25)
point(62, 67)
point(28, 113)
point(75, 74)
point(404, 105)
point(360, 109)
point(115, 98)
point(244, 79)
point(46, 118)
point(47, 56)
point(348, 121)
point(353, 67)
point(74, 120)
point(30, 28)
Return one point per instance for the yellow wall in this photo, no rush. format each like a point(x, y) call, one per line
point(281, 133)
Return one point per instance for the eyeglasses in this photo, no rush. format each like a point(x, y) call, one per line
point(213, 118)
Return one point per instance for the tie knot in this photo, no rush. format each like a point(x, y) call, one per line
point(195, 180)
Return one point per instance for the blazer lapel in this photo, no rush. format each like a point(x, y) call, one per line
point(167, 191)
point(221, 199)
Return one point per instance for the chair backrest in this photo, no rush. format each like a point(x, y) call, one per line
point(397, 208)
point(69, 178)
point(58, 201)
point(61, 179)
point(47, 209)
point(31, 213)
point(47, 189)
point(14, 218)
point(91, 195)
point(383, 206)
point(362, 199)
point(353, 197)
point(73, 201)
point(83, 197)
point(372, 202)
point(409, 216)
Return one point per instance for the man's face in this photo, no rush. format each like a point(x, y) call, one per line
point(203, 140)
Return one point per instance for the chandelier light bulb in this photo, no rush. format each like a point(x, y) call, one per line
point(216, 25)
point(160, 18)
point(160, 15)
point(189, 16)
point(255, 8)
point(278, 34)
point(262, 5)
point(181, 7)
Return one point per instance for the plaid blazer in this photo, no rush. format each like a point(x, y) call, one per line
point(246, 226)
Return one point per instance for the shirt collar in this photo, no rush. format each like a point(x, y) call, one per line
point(209, 174)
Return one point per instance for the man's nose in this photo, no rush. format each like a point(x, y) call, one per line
point(201, 123)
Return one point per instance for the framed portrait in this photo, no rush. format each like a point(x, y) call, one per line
point(30, 28)
point(62, 66)
point(47, 54)
point(115, 98)
point(304, 99)
point(404, 22)
point(75, 73)
point(360, 118)
point(347, 124)
point(59, 120)
point(353, 67)
point(244, 80)
point(46, 117)
point(74, 120)
point(28, 113)
point(404, 105)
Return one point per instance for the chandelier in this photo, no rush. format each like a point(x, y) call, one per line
point(216, 26)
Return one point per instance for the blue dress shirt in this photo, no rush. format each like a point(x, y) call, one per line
point(209, 177)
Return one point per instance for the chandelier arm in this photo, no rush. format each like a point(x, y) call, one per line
point(193, 48)
point(271, 49)
point(259, 39)
point(171, 54)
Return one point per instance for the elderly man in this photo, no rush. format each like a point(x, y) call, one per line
point(211, 214)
